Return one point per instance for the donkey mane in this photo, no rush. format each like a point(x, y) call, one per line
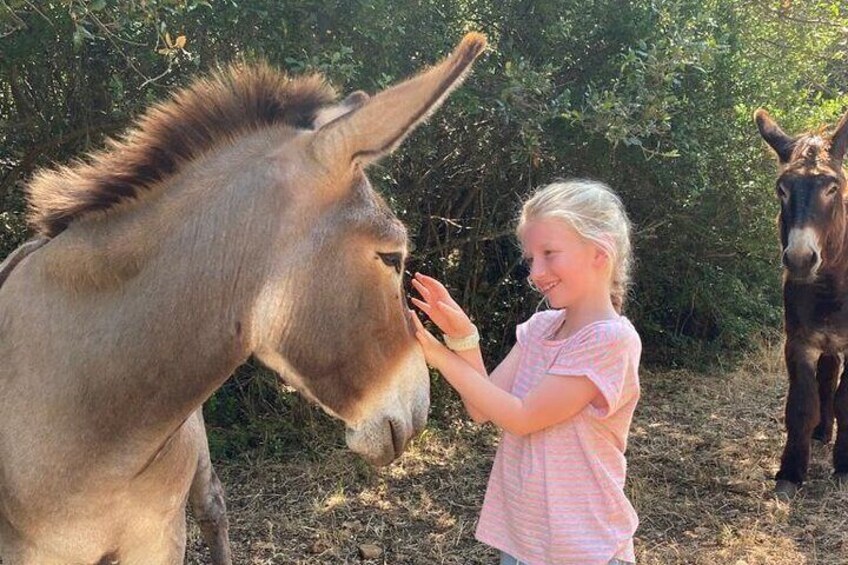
point(810, 150)
point(210, 112)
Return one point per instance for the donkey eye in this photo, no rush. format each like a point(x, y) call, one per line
point(782, 193)
point(831, 190)
point(393, 260)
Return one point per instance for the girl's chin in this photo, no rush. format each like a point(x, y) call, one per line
point(561, 299)
point(557, 302)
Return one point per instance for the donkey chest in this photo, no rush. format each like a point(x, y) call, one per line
point(829, 342)
point(826, 327)
point(817, 314)
point(88, 516)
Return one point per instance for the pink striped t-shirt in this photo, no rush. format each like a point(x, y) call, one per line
point(557, 496)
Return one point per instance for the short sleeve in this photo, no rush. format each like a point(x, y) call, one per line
point(535, 328)
point(522, 331)
point(606, 355)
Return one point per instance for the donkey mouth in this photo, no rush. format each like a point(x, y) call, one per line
point(379, 443)
point(802, 274)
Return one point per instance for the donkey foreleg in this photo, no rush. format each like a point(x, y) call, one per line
point(840, 448)
point(802, 416)
point(828, 377)
point(207, 503)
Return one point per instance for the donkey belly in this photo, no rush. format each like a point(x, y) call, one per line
point(139, 520)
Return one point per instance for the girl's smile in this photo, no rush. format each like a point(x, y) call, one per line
point(547, 287)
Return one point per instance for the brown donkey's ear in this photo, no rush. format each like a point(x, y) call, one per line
point(839, 139)
point(380, 123)
point(774, 136)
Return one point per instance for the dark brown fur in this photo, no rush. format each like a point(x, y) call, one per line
point(208, 113)
point(812, 189)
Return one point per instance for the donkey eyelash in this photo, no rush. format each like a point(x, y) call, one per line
point(393, 260)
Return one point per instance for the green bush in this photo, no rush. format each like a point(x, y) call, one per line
point(652, 96)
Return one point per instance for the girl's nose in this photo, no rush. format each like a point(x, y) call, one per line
point(537, 269)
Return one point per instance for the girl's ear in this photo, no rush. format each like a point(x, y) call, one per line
point(601, 259)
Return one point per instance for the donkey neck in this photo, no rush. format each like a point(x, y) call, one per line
point(164, 294)
point(835, 261)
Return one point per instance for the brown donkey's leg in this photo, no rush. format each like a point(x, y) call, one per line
point(802, 415)
point(207, 503)
point(828, 377)
point(840, 449)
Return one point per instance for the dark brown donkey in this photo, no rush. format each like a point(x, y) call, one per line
point(813, 225)
point(234, 220)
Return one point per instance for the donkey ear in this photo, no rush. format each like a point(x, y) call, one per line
point(19, 255)
point(378, 125)
point(839, 139)
point(353, 101)
point(774, 136)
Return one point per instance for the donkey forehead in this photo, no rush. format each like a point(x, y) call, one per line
point(805, 178)
point(367, 214)
point(811, 158)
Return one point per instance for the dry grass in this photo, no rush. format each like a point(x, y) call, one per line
point(703, 451)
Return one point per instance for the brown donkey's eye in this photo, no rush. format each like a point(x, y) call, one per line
point(832, 190)
point(782, 193)
point(393, 260)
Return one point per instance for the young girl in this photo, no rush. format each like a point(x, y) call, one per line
point(564, 396)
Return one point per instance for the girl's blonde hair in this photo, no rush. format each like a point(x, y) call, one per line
point(597, 214)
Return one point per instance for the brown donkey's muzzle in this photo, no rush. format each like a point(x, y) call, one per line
point(801, 264)
point(802, 255)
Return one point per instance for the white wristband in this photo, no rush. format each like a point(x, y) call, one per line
point(463, 343)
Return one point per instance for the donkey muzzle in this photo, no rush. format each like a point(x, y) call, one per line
point(381, 442)
point(801, 264)
point(802, 255)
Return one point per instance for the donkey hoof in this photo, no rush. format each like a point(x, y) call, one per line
point(785, 490)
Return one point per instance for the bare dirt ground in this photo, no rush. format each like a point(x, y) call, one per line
point(703, 451)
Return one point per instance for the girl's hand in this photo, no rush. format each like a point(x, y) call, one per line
point(440, 307)
point(435, 351)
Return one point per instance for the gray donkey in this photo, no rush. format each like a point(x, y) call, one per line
point(233, 220)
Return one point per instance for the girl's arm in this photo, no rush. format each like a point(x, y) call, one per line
point(554, 400)
point(453, 321)
point(501, 377)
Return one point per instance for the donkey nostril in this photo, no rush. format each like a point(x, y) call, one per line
point(801, 262)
